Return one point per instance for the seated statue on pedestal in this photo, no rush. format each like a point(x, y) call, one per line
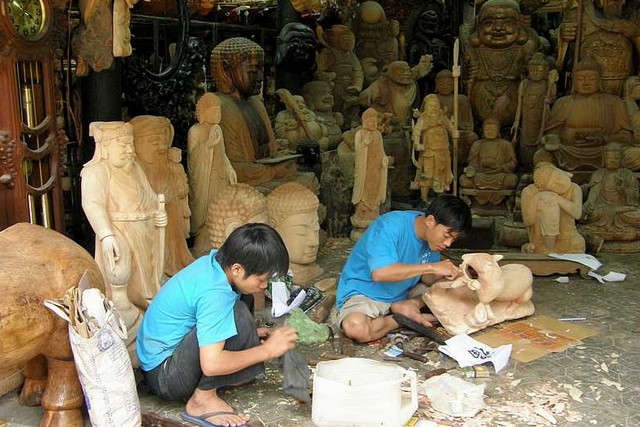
point(126, 214)
point(210, 171)
point(293, 212)
point(237, 66)
point(612, 210)
point(550, 208)
point(153, 136)
point(491, 165)
point(586, 121)
point(237, 205)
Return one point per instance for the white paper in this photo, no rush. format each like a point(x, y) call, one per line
point(584, 259)
point(279, 297)
point(468, 352)
point(612, 276)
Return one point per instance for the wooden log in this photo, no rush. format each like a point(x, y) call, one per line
point(323, 310)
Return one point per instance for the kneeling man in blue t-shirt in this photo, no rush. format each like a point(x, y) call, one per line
point(197, 335)
point(392, 262)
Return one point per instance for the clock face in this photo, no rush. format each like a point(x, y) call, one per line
point(27, 18)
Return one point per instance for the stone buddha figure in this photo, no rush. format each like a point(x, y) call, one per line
point(612, 210)
point(370, 180)
point(237, 205)
point(126, 215)
point(431, 140)
point(152, 138)
point(210, 171)
point(237, 66)
point(585, 122)
point(293, 212)
point(318, 95)
point(375, 35)
point(550, 208)
point(338, 63)
point(444, 91)
point(491, 165)
point(495, 58)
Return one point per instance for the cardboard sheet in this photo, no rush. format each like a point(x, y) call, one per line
point(535, 336)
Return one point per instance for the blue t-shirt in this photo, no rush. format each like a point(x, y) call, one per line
point(390, 239)
point(198, 296)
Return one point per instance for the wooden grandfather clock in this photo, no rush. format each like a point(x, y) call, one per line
point(30, 183)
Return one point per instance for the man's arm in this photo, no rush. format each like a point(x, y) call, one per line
point(215, 360)
point(398, 272)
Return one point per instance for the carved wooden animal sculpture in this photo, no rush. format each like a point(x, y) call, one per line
point(468, 304)
point(38, 264)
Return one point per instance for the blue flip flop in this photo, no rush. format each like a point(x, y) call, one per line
point(201, 420)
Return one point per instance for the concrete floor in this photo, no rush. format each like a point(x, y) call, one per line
point(596, 383)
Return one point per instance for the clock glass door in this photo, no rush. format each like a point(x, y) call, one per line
point(38, 136)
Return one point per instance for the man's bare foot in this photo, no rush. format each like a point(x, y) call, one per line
point(206, 401)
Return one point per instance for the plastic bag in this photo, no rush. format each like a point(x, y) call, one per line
point(309, 332)
point(454, 396)
point(103, 364)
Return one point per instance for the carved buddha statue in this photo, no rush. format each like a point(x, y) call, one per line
point(237, 65)
point(491, 164)
point(318, 96)
point(585, 122)
point(612, 210)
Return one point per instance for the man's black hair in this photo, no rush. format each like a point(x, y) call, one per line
point(452, 212)
point(258, 248)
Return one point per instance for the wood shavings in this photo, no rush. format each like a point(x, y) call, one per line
point(604, 367)
point(545, 414)
point(516, 382)
point(612, 383)
point(575, 394)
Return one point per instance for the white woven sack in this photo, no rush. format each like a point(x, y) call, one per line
point(105, 372)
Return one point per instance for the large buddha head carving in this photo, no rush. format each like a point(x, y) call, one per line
point(237, 205)
point(238, 66)
point(293, 212)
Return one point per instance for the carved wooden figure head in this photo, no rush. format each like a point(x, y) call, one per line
point(293, 212)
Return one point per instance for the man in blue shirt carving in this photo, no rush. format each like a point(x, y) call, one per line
point(385, 273)
point(197, 335)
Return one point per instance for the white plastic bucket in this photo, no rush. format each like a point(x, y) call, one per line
point(356, 392)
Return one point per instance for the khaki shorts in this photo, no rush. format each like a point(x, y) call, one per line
point(371, 307)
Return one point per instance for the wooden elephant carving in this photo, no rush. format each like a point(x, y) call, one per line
point(468, 304)
point(39, 264)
